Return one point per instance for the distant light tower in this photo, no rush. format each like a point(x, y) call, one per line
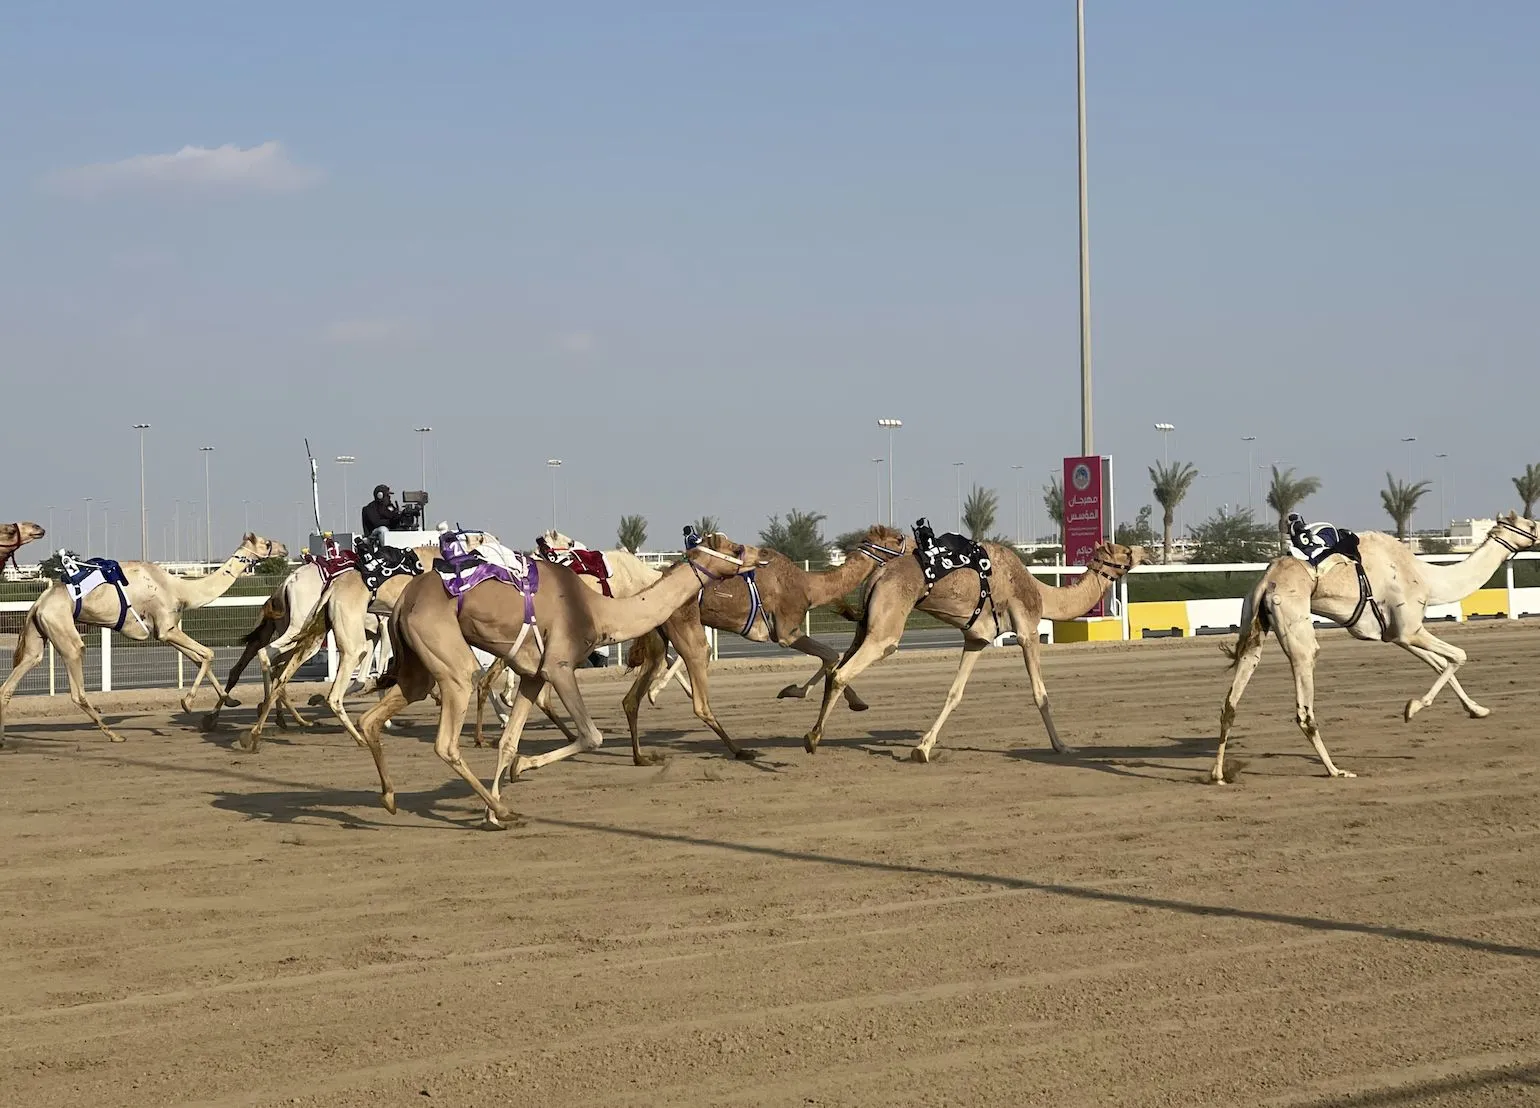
point(1410, 530)
point(1165, 430)
point(144, 518)
point(1443, 513)
point(423, 433)
point(958, 466)
point(1249, 440)
point(88, 527)
point(208, 506)
point(892, 425)
point(877, 465)
point(345, 460)
point(1019, 471)
point(553, 464)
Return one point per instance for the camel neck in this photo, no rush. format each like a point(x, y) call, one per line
point(1449, 583)
point(195, 592)
point(831, 584)
point(1074, 600)
point(633, 616)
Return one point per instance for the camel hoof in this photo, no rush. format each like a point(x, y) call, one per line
point(810, 744)
point(858, 705)
point(316, 700)
point(794, 692)
point(489, 824)
point(187, 704)
point(1062, 749)
point(248, 742)
point(1478, 712)
point(648, 759)
point(113, 736)
point(388, 801)
point(1216, 778)
point(1344, 773)
point(1412, 708)
point(746, 755)
point(231, 702)
point(919, 754)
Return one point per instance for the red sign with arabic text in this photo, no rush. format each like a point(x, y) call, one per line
point(1085, 513)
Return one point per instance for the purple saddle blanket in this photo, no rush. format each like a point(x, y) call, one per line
point(462, 570)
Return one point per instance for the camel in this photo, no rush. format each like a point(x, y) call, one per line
point(14, 536)
point(158, 601)
point(1402, 587)
point(1020, 603)
point(432, 634)
point(786, 593)
point(283, 619)
point(344, 609)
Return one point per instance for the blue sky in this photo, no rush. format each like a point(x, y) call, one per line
point(695, 251)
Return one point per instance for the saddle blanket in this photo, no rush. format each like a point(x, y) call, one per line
point(584, 562)
point(83, 576)
point(333, 562)
point(940, 555)
point(462, 569)
point(378, 564)
point(1315, 542)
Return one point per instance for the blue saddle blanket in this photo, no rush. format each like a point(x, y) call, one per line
point(83, 576)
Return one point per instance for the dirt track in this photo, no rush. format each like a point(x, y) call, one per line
point(186, 924)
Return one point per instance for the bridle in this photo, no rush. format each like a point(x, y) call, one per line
point(703, 574)
point(1101, 563)
point(8, 550)
point(874, 550)
point(1517, 530)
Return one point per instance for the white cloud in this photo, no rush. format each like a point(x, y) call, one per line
point(363, 331)
point(228, 168)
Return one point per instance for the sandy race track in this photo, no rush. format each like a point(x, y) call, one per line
point(185, 924)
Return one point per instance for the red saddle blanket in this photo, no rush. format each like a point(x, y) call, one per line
point(589, 563)
point(333, 563)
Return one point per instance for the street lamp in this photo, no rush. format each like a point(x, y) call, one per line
point(553, 464)
point(1085, 237)
point(1165, 430)
point(345, 460)
point(208, 507)
point(88, 526)
point(1250, 464)
point(1444, 480)
point(1019, 470)
point(144, 525)
point(958, 466)
point(892, 425)
point(176, 523)
point(1410, 530)
point(246, 517)
point(423, 432)
point(877, 463)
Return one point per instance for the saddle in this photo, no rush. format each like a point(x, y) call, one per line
point(940, 555)
point(1314, 543)
point(378, 563)
point(83, 576)
point(333, 561)
point(580, 560)
point(756, 607)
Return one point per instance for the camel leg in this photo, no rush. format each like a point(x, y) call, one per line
point(675, 672)
point(1446, 658)
point(972, 648)
point(831, 660)
point(1245, 665)
point(1301, 648)
point(589, 738)
point(508, 746)
point(29, 652)
point(484, 691)
point(194, 651)
point(252, 650)
point(867, 650)
point(372, 723)
point(455, 694)
point(297, 658)
point(356, 655)
point(284, 703)
point(1032, 652)
point(631, 703)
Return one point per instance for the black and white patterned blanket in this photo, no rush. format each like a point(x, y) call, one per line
point(940, 555)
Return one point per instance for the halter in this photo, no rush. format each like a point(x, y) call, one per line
point(1503, 523)
point(8, 550)
point(250, 561)
point(1100, 562)
point(874, 549)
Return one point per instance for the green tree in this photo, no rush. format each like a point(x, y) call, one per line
point(1053, 500)
point(706, 524)
point(1235, 536)
point(1288, 492)
point(849, 540)
point(1170, 482)
point(1137, 533)
point(272, 567)
point(1528, 487)
point(52, 567)
point(1399, 499)
point(979, 511)
point(800, 537)
point(632, 532)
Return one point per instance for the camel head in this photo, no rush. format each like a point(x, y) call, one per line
point(1515, 532)
point(16, 535)
point(716, 555)
point(882, 543)
point(1113, 560)
point(255, 549)
point(552, 541)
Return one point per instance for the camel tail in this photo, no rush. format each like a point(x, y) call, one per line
point(645, 650)
point(274, 612)
point(1254, 623)
point(29, 627)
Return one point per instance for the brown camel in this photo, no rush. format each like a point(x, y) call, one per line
point(14, 536)
point(432, 642)
point(786, 593)
point(1401, 586)
point(157, 600)
point(1021, 602)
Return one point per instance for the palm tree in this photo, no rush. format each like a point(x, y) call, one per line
point(1171, 482)
point(1288, 492)
point(1400, 500)
point(1528, 487)
point(1053, 500)
point(706, 524)
point(632, 532)
point(979, 511)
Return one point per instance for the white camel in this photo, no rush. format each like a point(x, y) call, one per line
point(155, 603)
point(1402, 587)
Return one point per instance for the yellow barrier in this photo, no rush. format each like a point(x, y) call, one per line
point(1158, 616)
point(1103, 629)
point(1485, 602)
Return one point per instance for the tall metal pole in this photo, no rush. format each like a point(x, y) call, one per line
point(88, 527)
point(1086, 439)
point(1250, 441)
point(423, 432)
point(345, 460)
point(553, 464)
point(1443, 482)
point(1019, 470)
point(958, 466)
point(878, 466)
point(208, 507)
point(144, 524)
point(892, 425)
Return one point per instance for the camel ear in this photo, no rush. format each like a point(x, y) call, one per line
point(1512, 516)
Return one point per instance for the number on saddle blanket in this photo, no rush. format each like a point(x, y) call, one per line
point(940, 555)
point(333, 561)
point(379, 563)
point(1316, 542)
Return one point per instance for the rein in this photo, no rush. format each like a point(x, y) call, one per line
point(872, 549)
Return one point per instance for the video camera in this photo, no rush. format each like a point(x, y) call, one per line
point(412, 504)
